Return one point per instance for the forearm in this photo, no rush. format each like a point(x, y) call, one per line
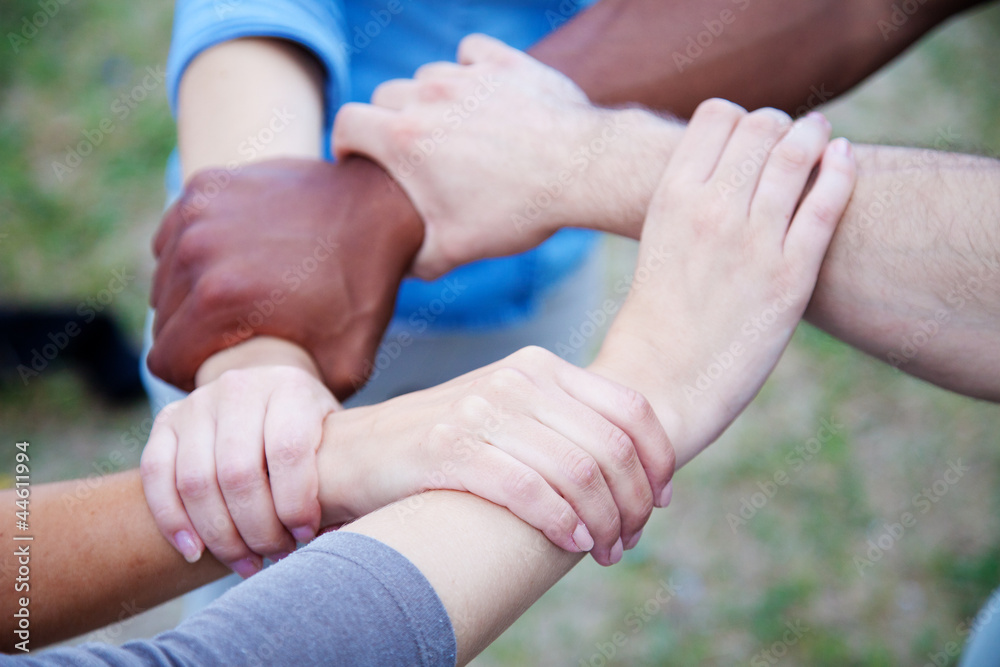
point(653, 52)
point(95, 557)
point(913, 274)
point(249, 100)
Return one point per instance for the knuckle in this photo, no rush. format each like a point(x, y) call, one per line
point(194, 485)
point(506, 379)
point(238, 478)
point(766, 120)
point(193, 246)
point(153, 466)
point(524, 486)
point(473, 410)
point(404, 130)
point(435, 90)
point(215, 291)
point(637, 407)
point(582, 470)
point(622, 450)
point(792, 156)
point(289, 451)
point(717, 108)
point(442, 441)
point(379, 95)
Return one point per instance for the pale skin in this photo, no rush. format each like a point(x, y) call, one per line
point(261, 446)
point(487, 565)
point(918, 236)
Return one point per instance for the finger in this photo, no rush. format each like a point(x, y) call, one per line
point(172, 220)
point(239, 458)
point(814, 223)
point(632, 413)
point(183, 264)
point(703, 141)
point(363, 129)
point(572, 471)
point(199, 490)
point(293, 430)
point(478, 48)
point(614, 452)
point(494, 475)
point(395, 94)
point(786, 173)
point(176, 353)
point(743, 159)
point(157, 469)
point(437, 70)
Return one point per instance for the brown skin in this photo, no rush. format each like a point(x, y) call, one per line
point(129, 567)
point(204, 283)
point(618, 51)
point(299, 249)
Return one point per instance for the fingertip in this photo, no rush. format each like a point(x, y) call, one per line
point(247, 567)
point(188, 544)
point(303, 534)
point(666, 495)
point(582, 538)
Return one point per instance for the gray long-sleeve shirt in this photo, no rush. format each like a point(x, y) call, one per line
point(345, 599)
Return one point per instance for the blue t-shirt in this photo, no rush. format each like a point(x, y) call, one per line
point(362, 43)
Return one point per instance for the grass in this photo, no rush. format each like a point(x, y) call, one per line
point(735, 589)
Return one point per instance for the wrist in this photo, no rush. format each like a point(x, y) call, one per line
point(255, 352)
point(625, 152)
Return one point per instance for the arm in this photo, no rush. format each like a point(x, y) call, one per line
point(250, 118)
point(463, 435)
point(485, 564)
point(623, 51)
point(128, 566)
point(912, 276)
point(675, 319)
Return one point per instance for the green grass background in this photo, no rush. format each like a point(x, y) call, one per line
point(735, 590)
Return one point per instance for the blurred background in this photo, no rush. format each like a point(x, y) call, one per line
point(719, 577)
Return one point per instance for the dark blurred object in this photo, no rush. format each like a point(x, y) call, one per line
point(33, 341)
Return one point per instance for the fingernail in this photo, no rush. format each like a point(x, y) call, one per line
point(303, 534)
point(666, 495)
point(186, 545)
point(634, 540)
point(282, 556)
point(817, 116)
point(246, 567)
point(582, 538)
point(841, 146)
point(617, 552)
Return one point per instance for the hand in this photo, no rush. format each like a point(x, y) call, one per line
point(729, 257)
point(234, 463)
point(577, 456)
point(496, 153)
point(303, 250)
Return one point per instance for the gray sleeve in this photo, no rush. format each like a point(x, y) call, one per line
point(344, 599)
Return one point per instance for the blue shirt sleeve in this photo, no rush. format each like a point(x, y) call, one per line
point(345, 599)
point(317, 25)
